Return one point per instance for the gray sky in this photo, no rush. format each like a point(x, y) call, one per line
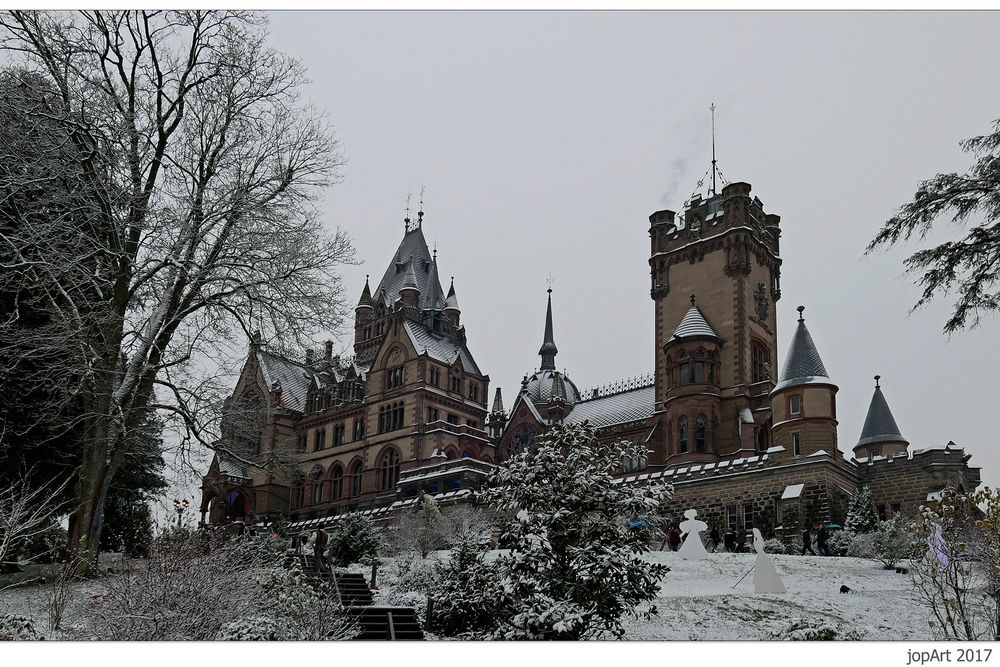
point(546, 139)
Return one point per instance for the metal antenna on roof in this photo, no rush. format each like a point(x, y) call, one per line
point(714, 168)
point(420, 213)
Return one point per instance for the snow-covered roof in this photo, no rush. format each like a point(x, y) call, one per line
point(439, 346)
point(294, 378)
point(620, 408)
point(792, 491)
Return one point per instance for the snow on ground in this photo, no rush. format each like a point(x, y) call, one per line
point(697, 600)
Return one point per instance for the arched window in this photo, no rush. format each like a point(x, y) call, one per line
point(356, 470)
point(699, 434)
point(388, 473)
point(760, 362)
point(316, 481)
point(682, 433)
point(336, 482)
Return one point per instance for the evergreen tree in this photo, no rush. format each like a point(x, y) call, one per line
point(353, 540)
point(861, 514)
point(573, 567)
point(968, 266)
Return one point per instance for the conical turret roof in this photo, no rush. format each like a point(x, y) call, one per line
point(366, 296)
point(497, 401)
point(694, 324)
point(433, 298)
point(452, 301)
point(411, 253)
point(410, 282)
point(880, 425)
point(803, 364)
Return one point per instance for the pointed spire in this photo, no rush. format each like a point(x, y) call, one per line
point(410, 282)
point(548, 350)
point(694, 324)
point(433, 299)
point(497, 402)
point(451, 303)
point(880, 425)
point(803, 364)
point(366, 296)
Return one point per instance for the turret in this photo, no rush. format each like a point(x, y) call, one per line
point(692, 397)
point(409, 293)
point(804, 402)
point(548, 350)
point(497, 418)
point(451, 309)
point(880, 436)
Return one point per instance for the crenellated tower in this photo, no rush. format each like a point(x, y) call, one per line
point(725, 250)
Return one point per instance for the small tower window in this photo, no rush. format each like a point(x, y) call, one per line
point(795, 405)
point(682, 434)
point(699, 434)
point(796, 444)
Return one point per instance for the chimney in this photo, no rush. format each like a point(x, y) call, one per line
point(329, 350)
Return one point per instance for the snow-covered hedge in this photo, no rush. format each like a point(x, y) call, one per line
point(839, 542)
point(17, 628)
point(804, 629)
point(774, 546)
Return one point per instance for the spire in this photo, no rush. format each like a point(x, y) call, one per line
point(803, 364)
point(880, 425)
point(548, 350)
point(694, 324)
point(497, 402)
point(410, 282)
point(451, 302)
point(433, 298)
point(366, 296)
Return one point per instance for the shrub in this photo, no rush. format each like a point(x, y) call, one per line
point(353, 540)
point(17, 628)
point(861, 514)
point(839, 542)
point(891, 542)
point(774, 546)
point(814, 630)
point(466, 592)
point(862, 545)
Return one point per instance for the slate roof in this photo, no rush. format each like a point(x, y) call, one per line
point(615, 409)
point(695, 324)
point(295, 379)
point(541, 384)
point(439, 346)
point(880, 425)
point(413, 252)
point(228, 466)
point(802, 365)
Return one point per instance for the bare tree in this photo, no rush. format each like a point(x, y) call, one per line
point(184, 181)
point(25, 513)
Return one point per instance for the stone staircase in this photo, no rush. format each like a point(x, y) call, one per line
point(374, 623)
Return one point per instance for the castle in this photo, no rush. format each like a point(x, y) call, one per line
point(408, 413)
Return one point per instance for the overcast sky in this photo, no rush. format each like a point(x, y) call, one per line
point(546, 139)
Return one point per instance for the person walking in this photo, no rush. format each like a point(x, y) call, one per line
point(674, 538)
point(821, 537)
point(729, 541)
point(714, 536)
point(320, 540)
point(807, 542)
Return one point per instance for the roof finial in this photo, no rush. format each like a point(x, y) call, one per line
point(453, 282)
point(692, 299)
point(877, 378)
point(435, 251)
point(420, 212)
point(714, 168)
point(800, 309)
point(409, 195)
point(549, 281)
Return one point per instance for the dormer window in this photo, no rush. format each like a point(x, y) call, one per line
point(456, 384)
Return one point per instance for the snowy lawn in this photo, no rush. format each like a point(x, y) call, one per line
point(697, 600)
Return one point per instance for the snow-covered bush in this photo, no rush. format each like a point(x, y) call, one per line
point(572, 566)
point(421, 529)
point(775, 546)
point(861, 514)
point(353, 540)
point(469, 600)
point(838, 542)
point(17, 628)
point(891, 542)
point(862, 545)
point(413, 573)
point(191, 587)
point(803, 629)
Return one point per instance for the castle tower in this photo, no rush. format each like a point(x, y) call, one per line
point(804, 402)
point(409, 293)
point(725, 250)
point(693, 401)
point(451, 308)
point(880, 435)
